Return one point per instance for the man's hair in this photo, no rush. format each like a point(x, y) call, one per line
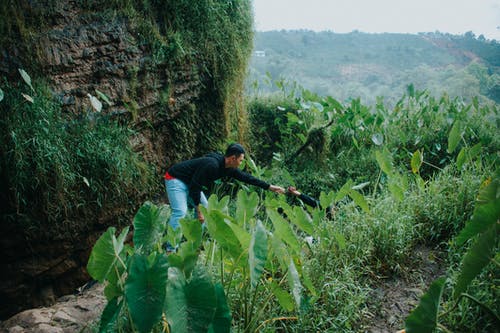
point(234, 149)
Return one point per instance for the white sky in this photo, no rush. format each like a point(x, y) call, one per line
point(402, 16)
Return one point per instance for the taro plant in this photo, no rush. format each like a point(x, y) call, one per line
point(258, 258)
point(483, 233)
point(259, 255)
point(148, 290)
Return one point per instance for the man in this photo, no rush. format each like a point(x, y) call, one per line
point(186, 180)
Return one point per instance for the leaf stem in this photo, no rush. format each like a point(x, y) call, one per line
point(443, 328)
point(265, 322)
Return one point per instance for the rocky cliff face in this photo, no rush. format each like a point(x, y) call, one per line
point(173, 106)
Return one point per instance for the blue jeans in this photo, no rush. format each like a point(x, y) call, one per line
point(178, 196)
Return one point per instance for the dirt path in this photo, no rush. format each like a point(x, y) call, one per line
point(393, 299)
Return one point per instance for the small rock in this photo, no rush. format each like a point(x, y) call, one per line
point(45, 328)
point(62, 316)
point(16, 329)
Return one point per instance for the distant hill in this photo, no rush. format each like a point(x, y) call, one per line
point(369, 65)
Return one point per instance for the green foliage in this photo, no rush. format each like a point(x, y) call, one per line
point(268, 119)
point(106, 257)
point(486, 211)
point(257, 258)
point(451, 206)
point(483, 229)
point(429, 154)
point(145, 289)
point(191, 305)
point(207, 42)
point(418, 122)
point(59, 169)
point(257, 253)
point(416, 161)
point(424, 318)
point(214, 35)
point(454, 137)
point(152, 284)
point(149, 226)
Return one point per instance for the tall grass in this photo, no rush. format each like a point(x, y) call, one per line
point(57, 169)
point(435, 205)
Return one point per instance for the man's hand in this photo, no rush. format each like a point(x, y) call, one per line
point(277, 189)
point(293, 190)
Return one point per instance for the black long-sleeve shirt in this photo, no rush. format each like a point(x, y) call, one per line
point(203, 171)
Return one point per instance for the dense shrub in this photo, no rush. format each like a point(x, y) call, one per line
point(55, 169)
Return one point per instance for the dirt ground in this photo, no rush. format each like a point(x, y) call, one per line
point(393, 299)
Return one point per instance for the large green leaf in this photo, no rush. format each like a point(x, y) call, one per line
point(222, 232)
point(486, 212)
point(454, 136)
point(175, 301)
point(110, 316)
point(149, 226)
point(344, 191)
point(424, 318)
point(113, 289)
point(202, 300)
point(190, 305)
point(396, 189)
point(326, 200)
point(246, 206)
point(215, 204)
point(174, 237)
point(222, 318)
point(284, 298)
point(476, 258)
point(185, 258)
point(416, 161)
point(279, 251)
point(475, 150)
point(192, 230)
point(257, 254)
point(145, 289)
point(242, 235)
point(302, 220)
point(105, 254)
point(359, 199)
point(384, 160)
point(467, 154)
point(294, 282)
point(283, 230)
point(462, 157)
